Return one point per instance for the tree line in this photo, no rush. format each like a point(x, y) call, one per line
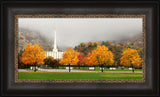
point(90, 54)
point(116, 49)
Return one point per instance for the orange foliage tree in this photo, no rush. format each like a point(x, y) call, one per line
point(70, 57)
point(80, 59)
point(33, 55)
point(89, 62)
point(101, 56)
point(130, 57)
point(85, 61)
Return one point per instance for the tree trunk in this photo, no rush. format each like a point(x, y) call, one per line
point(94, 68)
point(102, 67)
point(69, 68)
point(79, 66)
point(132, 68)
point(35, 68)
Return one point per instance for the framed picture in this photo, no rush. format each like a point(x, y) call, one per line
point(80, 48)
point(85, 53)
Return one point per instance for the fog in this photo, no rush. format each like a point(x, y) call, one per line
point(72, 31)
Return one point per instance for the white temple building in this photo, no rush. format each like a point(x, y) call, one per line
point(55, 53)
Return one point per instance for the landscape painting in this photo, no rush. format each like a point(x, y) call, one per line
point(80, 48)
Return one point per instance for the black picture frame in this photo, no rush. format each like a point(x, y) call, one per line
point(151, 85)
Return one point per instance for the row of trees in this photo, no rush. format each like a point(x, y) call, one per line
point(101, 56)
point(115, 48)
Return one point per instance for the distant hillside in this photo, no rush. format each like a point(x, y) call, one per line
point(138, 40)
point(27, 36)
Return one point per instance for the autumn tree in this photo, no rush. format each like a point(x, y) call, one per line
point(102, 56)
point(85, 61)
point(33, 55)
point(80, 59)
point(82, 44)
point(48, 60)
point(20, 53)
point(20, 63)
point(51, 62)
point(130, 57)
point(117, 52)
point(107, 43)
point(70, 57)
point(92, 60)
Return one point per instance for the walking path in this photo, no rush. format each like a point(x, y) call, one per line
point(66, 70)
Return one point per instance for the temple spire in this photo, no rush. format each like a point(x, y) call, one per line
point(55, 45)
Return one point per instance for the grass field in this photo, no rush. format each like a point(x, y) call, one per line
point(74, 75)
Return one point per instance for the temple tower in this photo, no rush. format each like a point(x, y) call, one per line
point(55, 45)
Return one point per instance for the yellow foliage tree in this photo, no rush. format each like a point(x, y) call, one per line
point(70, 57)
point(101, 56)
point(33, 55)
point(130, 57)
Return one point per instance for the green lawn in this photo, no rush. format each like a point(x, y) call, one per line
point(74, 75)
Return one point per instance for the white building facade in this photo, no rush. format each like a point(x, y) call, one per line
point(54, 53)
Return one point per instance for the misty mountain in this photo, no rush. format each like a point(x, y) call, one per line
point(27, 36)
point(33, 37)
point(137, 39)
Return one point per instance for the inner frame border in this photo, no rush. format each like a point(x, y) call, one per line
point(16, 80)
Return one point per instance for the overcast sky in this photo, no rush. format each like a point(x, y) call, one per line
point(72, 31)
